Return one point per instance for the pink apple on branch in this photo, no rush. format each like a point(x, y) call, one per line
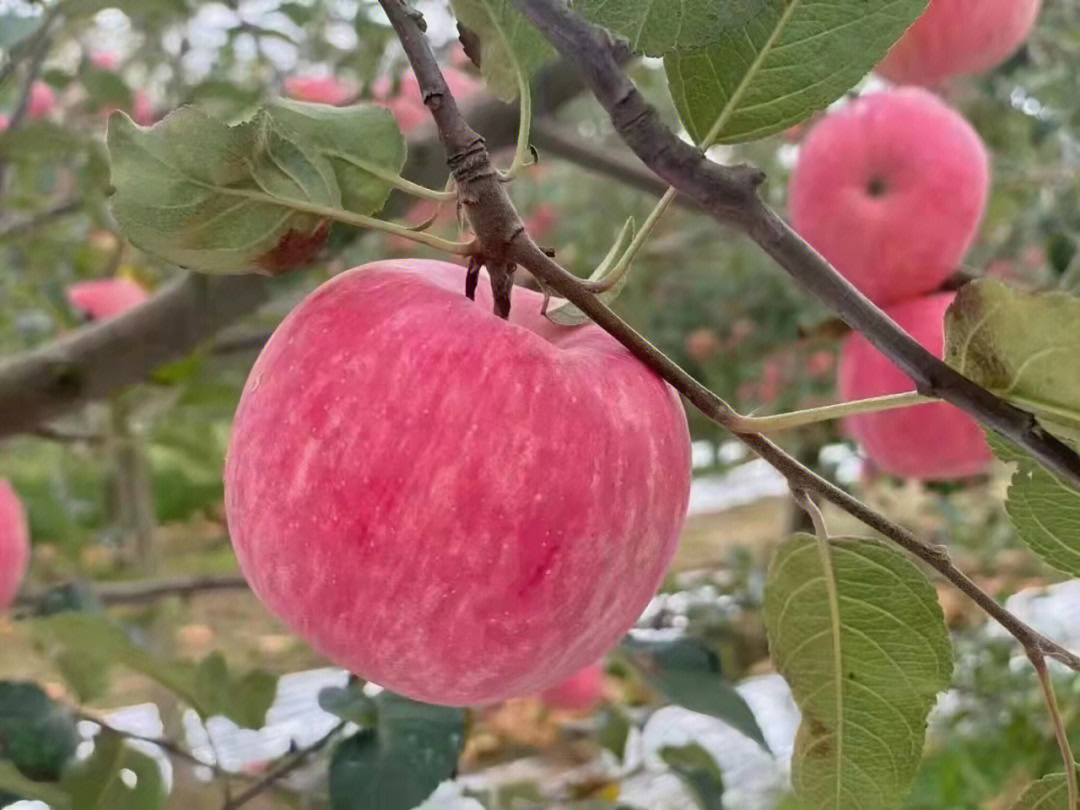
point(14, 544)
point(959, 38)
point(582, 692)
point(936, 441)
point(891, 189)
point(41, 102)
point(459, 508)
point(106, 298)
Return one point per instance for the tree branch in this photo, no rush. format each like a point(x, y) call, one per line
point(502, 235)
point(730, 195)
point(47, 382)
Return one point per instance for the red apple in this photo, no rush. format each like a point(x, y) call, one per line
point(319, 90)
point(959, 38)
point(106, 297)
point(42, 101)
point(143, 110)
point(936, 441)
point(407, 104)
point(4, 123)
point(891, 190)
point(542, 221)
point(105, 60)
point(459, 508)
point(702, 344)
point(14, 544)
point(582, 692)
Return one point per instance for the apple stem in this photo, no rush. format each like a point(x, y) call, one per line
point(827, 413)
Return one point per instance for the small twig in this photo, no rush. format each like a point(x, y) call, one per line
point(1039, 662)
point(134, 593)
point(285, 768)
point(806, 503)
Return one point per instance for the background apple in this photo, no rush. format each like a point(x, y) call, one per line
point(319, 90)
point(14, 544)
point(407, 104)
point(459, 508)
point(959, 37)
point(581, 693)
point(931, 442)
point(105, 297)
point(41, 102)
point(891, 190)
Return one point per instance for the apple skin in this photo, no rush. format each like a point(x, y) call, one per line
point(891, 189)
point(936, 441)
point(959, 38)
point(14, 544)
point(581, 693)
point(105, 297)
point(456, 507)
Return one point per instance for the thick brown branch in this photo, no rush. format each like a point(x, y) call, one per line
point(495, 207)
point(729, 194)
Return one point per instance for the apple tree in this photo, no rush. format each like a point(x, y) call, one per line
point(461, 469)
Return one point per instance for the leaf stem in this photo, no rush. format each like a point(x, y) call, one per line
point(521, 150)
point(622, 266)
point(826, 413)
point(1038, 661)
point(349, 218)
point(396, 180)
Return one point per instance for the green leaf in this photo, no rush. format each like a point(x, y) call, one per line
point(349, 703)
point(15, 786)
point(761, 66)
point(856, 631)
point(1021, 345)
point(1049, 793)
point(1046, 513)
point(201, 194)
point(115, 777)
point(37, 735)
point(613, 730)
point(362, 143)
point(687, 673)
point(699, 770)
point(208, 686)
point(506, 39)
point(396, 765)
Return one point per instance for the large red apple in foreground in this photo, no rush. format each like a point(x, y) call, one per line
point(459, 508)
point(936, 441)
point(14, 544)
point(891, 189)
point(106, 297)
point(959, 38)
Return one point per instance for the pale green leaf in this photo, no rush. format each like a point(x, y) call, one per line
point(13, 782)
point(699, 770)
point(1046, 513)
point(212, 197)
point(857, 632)
point(1049, 793)
point(362, 143)
point(769, 64)
point(1021, 345)
point(506, 40)
point(115, 777)
point(208, 686)
point(14, 28)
